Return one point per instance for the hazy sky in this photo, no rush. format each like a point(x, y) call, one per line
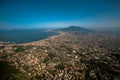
point(59, 13)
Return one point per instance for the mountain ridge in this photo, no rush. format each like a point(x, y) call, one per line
point(74, 28)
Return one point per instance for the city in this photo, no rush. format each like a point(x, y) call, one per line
point(67, 56)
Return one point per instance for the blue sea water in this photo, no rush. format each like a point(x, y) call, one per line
point(24, 36)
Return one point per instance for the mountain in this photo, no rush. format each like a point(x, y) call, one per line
point(74, 28)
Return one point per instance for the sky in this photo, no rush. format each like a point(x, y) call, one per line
point(26, 14)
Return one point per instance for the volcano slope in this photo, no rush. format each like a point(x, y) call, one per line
point(70, 55)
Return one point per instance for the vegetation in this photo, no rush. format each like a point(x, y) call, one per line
point(59, 67)
point(18, 48)
point(51, 56)
point(9, 72)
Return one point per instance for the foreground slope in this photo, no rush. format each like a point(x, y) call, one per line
point(69, 55)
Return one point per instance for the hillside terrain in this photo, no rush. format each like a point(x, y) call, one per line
point(73, 54)
point(74, 28)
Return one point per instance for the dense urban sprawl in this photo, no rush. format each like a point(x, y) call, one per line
point(67, 56)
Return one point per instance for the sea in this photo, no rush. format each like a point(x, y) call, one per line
point(19, 36)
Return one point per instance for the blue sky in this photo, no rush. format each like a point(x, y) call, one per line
point(59, 13)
